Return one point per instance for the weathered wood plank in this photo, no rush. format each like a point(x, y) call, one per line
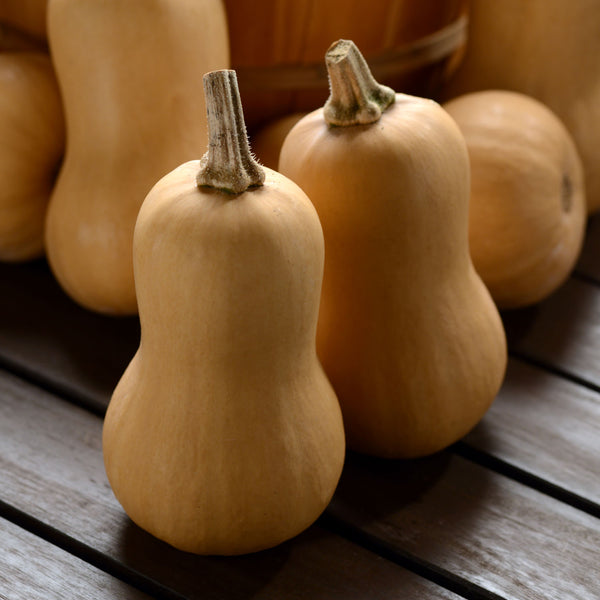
point(505, 537)
point(466, 520)
point(44, 334)
point(562, 332)
point(545, 425)
point(51, 468)
point(571, 343)
point(33, 569)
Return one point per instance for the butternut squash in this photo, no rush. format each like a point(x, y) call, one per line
point(548, 49)
point(408, 333)
point(32, 137)
point(224, 435)
point(134, 110)
point(277, 47)
point(527, 212)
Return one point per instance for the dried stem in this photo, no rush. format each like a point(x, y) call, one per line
point(356, 98)
point(228, 165)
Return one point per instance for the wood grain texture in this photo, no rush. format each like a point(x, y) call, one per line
point(545, 425)
point(51, 468)
point(562, 332)
point(461, 519)
point(502, 536)
point(33, 569)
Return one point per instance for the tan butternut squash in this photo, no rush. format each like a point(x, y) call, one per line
point(548, 49)
point(131, 79)
point(408, 333)
point(527, 212)
point(32, 135)
point(224, 435)
point(277, 47)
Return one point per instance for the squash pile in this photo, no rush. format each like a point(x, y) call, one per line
point(345, 295)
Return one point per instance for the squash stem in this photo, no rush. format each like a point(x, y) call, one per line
point(228, 165)
point(356, 98)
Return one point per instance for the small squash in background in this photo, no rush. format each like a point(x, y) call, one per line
point(32, 138)
point(130, 74)
point(224, 435)
point(527, 212)
point(408, 333)
point(548, 49)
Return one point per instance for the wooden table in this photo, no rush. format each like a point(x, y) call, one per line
point(510, 512)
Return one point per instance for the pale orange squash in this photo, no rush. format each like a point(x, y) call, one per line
point(527, 211)
point(408, 333)
point(548, 49)
point(130, 74)
point(224, 435)
point(32, 137)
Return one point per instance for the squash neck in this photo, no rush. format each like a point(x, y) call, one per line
point(228, 165)
point(356, 98)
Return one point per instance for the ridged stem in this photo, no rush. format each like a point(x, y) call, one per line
point(228, 165)
point(356, 98)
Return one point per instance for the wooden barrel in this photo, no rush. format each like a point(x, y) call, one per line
point(278, 47)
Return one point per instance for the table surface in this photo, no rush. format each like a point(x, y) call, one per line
point(512, 511)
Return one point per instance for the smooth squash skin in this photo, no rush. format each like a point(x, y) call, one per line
point(224, 435)
point(31, 149)
point(527, 210)
point(547, 49)
point(408, 334)
point(131, 78)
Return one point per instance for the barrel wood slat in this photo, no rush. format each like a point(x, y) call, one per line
point(51, 470)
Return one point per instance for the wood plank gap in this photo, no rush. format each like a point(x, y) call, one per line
point(47, 384)
point(581, 276)
point(88, 554)
point(554, 370)
point(446, 579)
point(527, 478)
